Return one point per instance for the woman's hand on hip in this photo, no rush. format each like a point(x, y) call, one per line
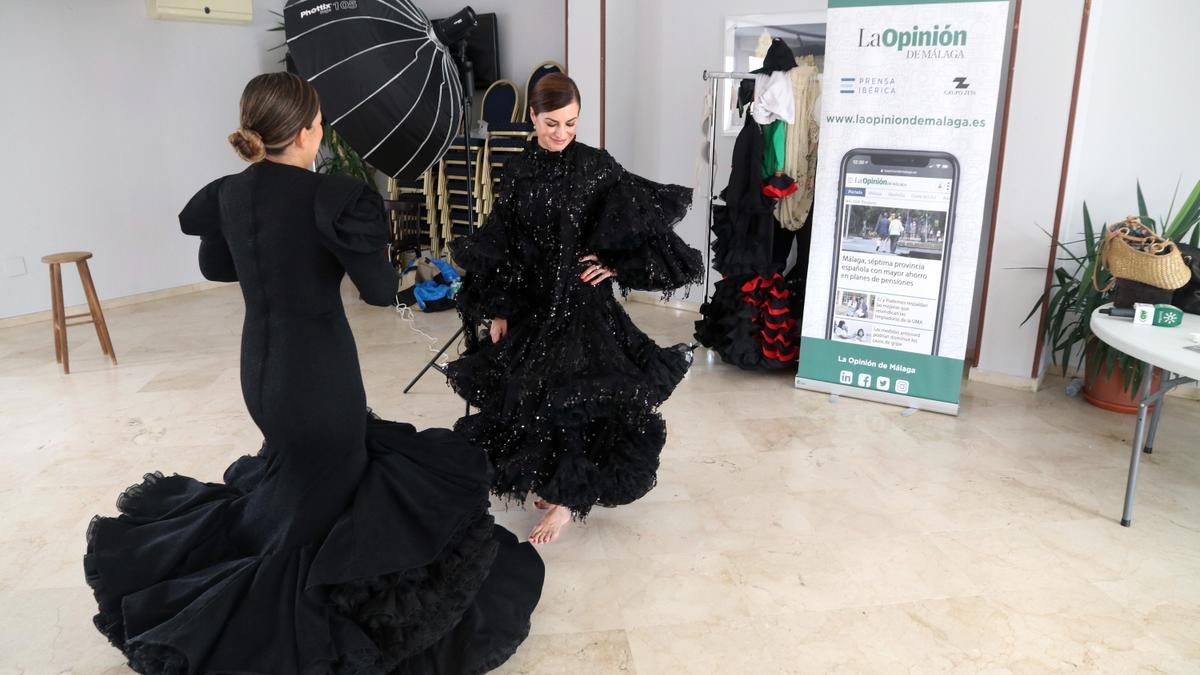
point(595, 272)
point(498, 329)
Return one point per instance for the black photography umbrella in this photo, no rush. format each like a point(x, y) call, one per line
point(385, 76)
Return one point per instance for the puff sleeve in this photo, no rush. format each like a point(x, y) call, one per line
point(202, 218)
point(352, 225)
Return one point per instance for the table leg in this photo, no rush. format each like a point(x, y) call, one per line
point(1162, 400)
point(1139, 439)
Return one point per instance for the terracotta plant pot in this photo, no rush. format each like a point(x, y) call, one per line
point(1109, 391)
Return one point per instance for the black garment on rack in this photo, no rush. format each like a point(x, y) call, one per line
point(781, 248)
point(749, 320)
point(797, 275)
point(744, 225)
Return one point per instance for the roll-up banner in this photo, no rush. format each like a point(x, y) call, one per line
point(907, 129)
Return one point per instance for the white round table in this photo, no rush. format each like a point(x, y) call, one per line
point(1156, 347)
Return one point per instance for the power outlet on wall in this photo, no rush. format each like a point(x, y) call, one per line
point(14, 267)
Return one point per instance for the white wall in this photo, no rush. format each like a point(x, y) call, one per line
point(1037, 126)
point(583, 60)
point(622, 59)
point(112, 121)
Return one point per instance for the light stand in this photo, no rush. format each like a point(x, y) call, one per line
point(466, 72)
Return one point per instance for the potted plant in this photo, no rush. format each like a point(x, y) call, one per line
point(1111, 377)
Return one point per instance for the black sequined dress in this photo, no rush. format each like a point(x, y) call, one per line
point(568, 398)
point(349, 544)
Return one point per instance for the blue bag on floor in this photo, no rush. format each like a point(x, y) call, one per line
point(432, 295)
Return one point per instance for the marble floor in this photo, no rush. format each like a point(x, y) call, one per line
point(788, 533)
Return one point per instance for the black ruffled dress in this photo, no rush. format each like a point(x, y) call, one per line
point(751, 318)
point(568, 398)
point(348, 544)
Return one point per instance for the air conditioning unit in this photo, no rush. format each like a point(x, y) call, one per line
point(215, 11)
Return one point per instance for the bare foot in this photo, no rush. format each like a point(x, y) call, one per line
point(551, 526)
point(542, 505)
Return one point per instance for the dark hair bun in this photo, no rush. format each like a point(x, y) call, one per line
point(248, 144)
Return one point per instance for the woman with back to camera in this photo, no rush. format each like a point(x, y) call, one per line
point(349, 544)
point(567, 387)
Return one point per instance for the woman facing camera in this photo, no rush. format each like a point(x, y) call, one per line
point(348, 544)
point(567, 387)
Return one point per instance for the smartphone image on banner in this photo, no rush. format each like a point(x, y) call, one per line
point(895, 229)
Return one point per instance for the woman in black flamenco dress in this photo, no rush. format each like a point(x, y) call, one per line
point(349, 544)
point(568, 387)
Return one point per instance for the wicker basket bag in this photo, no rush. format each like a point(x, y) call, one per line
point(1132, 251)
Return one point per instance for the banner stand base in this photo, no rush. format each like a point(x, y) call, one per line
point(878, 397)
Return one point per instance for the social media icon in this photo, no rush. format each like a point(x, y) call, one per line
point(883, 383)
point(846, 377)
point(901, 386)
point(864, 380)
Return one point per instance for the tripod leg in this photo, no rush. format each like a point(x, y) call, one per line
point(433, 362)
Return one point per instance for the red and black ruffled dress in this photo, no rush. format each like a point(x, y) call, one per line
point(348, 544)
point(750, 321)
point(568, 398)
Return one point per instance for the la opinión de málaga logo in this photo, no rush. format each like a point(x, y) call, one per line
point(940, 42)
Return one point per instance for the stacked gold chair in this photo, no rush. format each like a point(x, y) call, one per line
point(425, 186)
point(454, 185)
point(506, 135)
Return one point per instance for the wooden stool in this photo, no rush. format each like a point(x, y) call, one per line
point(95, 314)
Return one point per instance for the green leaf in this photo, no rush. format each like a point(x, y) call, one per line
point(1110, 361)
point(1167, 220)
point(1141, 202)
point(1188, 216)
point(1036, 306)
point(1089, 233)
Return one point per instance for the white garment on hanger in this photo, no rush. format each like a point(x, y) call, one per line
point(773, 98)
point(800, 154)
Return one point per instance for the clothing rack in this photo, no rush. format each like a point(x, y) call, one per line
point(713, 78)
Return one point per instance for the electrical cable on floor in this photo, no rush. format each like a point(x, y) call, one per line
point(407, 316)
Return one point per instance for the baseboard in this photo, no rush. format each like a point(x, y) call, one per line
point(645, 298)
point(1190, 392)
point(1028, 384)
point(110, 303)
point(1033, 385)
